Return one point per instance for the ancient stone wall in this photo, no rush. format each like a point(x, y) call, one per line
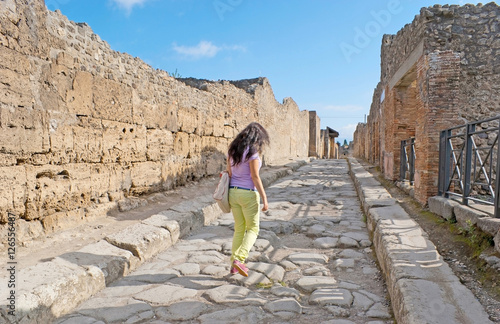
point(440, 71)
point(84, 126)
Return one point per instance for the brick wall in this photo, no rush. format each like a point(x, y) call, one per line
point(439, 71)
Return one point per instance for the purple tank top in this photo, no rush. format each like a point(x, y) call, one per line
point(241, 176)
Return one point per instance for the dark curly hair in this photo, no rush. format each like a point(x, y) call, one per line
point(254, 136)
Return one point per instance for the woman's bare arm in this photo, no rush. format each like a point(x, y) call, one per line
point(254, 172)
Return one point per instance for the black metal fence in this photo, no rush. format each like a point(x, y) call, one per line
point(407, 160)
point(468, 163)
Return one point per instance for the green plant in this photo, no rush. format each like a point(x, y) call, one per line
point(265, 285)
point(175, 74)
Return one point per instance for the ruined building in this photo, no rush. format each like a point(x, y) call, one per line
point(84, 127)
point(440, 71)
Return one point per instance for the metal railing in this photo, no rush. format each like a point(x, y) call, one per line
point(407, 160)
point(468, 163)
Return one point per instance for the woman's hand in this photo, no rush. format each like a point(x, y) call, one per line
point(266, 206)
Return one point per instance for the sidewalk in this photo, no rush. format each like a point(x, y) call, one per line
point(422, 287)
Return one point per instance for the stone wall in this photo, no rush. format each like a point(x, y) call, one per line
point(440, 71)
point(84, 126)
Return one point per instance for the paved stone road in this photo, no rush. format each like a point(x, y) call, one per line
point(312, 263)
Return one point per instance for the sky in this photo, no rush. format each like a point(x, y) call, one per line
point(325, 54)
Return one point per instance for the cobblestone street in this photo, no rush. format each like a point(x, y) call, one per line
point(312, 263)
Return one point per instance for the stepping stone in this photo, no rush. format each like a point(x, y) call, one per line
point(114, 310)
point(358, 236)
point(262, 245)
point(365, 243)
point(351, 254)
point(362, 301)
point(79, 319)
point(316, 229)
point(316, 271)
point(214, 270)
point(312, 283)
point(326, 242)
point(206, 258)
point(152, 276)
point(187, 269)
point(234, 315)
point(254, 278)
point(271, 226)
point(166, 295)
point(272, 271)
point(331, 296)
point(287, 265)
point(281, 291)
point(338, 311)
point(308, 258)
point(199, 282)
point(284, 305)
point(348, 242)
point(234, 295)
point(182, 311)
point(378, 311)
point(338, 321)
point(196, 245)
point(370, 295)
point(344, 263)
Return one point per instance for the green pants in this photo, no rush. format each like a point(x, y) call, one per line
point(245, 205)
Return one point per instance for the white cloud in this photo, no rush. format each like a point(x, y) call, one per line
point(128, 4)
point(347, 131)
point(204, 49)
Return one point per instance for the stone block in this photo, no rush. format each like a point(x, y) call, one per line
point(159, 144)
point(24, 131)
point(144, 241)
point(464, 214)
point(443, 207)
point(16, 89)
point(111, 260)
point(181, 144)
point(496, 239)
point(12, 60)
point(187, 119)
point(422, 301)
point(113, 100)
point(124, 142)
point(89, 144)
point(163, 221)
point(12, 191)
point(51, 289)
point(146, 176)
point(385, 213)
point(489, 225)
point(63, 220)
point(79, 97)
point(27, 231)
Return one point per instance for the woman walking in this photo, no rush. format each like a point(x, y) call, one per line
point(245, 191)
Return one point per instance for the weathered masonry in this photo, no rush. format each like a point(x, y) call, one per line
point(83, 126)
point(440, 71)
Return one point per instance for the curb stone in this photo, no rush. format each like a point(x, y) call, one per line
point(422, 287)
point(54, 288)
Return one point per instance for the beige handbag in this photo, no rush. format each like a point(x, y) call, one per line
point(221, 194)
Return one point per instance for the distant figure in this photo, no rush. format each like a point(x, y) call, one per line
point(245, 191)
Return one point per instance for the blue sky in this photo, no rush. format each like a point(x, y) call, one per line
point(325, 54)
